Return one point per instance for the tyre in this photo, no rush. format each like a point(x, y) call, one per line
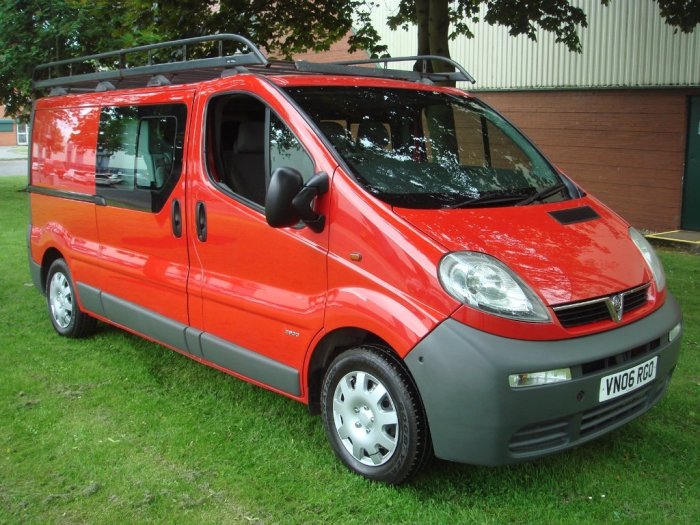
point(65, 315)
point(373, 415)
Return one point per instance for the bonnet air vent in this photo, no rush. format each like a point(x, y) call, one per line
point(575, 215)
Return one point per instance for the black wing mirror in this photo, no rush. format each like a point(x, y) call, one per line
point(289, 200)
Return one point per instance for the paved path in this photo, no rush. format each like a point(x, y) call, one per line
point(13, 161)
point(9, 168)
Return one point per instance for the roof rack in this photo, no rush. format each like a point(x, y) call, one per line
point(122, 75)
point(350, 67)
point(111, 70)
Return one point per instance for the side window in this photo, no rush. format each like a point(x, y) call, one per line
point(246, 142)
point(286, 150)
point(139, 154)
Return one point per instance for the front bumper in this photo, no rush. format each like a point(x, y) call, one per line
point(476, 417)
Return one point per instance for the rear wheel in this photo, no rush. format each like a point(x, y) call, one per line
point(65, 315)
point(373, 416)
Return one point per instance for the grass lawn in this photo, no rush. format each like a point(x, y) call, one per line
point(114, 429)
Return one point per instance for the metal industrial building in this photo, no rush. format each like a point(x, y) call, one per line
point(622, 118)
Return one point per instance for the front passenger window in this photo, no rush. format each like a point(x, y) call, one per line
point(246, 143)
point(286, 150)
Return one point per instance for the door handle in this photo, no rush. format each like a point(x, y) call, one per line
point(201, 220)
point(176, 218)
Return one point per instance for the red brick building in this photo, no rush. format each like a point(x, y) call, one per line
point(12, 133)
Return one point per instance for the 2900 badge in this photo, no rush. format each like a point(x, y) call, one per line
point(633, 378)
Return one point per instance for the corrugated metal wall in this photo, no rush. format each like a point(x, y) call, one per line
point(626, 44)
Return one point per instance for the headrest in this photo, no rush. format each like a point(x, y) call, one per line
point(251, 137)
point(336, 133)
point(372, 134)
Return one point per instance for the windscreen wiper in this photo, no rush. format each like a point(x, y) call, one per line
point(542, 194)
point(487, 199)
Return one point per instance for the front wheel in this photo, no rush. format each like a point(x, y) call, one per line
point(66, 317)
point(373, 415)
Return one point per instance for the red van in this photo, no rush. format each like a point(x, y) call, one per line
point(390, 252)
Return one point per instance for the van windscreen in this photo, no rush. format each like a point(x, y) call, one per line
point(427, 149)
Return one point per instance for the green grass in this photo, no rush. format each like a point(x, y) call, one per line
point(115, 429)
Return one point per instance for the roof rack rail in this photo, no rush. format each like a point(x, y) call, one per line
point(353, 67)
point(111, 70)
point(124, 76)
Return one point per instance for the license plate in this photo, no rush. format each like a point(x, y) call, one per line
point(628, 380)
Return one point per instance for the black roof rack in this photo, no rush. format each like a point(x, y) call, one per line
point(181, 66)
point(112, 70)
point(352, 67)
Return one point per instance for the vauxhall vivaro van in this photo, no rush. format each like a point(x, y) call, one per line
point(389, 251)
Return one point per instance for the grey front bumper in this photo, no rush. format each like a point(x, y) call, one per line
point(476, 417)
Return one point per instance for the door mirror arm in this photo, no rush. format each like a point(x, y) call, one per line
point(304, 200)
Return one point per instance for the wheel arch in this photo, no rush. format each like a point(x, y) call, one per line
point(50, 255)
point(335, 343)
point(328, 348)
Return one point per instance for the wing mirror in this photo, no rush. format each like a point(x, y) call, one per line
point(289, 200)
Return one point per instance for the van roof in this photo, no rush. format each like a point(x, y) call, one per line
point(199, 59)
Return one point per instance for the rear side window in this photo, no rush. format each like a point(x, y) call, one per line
point(139, 154)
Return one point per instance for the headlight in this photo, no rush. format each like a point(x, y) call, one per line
point(484, 282)
point(650, 257)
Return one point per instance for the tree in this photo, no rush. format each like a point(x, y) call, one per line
point(680, 14)
point(38, 31)
point(33, 32)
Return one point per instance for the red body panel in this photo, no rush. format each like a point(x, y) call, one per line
point(393, 291)
point(69, 227)
point(564, 263)
point(64, 136)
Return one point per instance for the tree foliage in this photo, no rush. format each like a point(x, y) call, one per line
point(33, 32)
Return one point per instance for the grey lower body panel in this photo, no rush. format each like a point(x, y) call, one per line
point(34, 268)
point(476, 417)
point(190, 340)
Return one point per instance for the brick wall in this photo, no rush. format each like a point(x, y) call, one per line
point(7, 138)
point(627, 147)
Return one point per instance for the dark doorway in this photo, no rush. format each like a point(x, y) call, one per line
point(690, 217)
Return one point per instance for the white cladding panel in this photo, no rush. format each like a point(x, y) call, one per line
point(627, 44)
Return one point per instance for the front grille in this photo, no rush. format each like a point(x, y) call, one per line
point(583, 314)
point(550, 435)
point(636, 298)
point(540, 437)
point(613, 411)
point(599, 309)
